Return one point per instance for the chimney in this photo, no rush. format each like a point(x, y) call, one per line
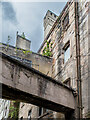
point(22, 42)
point(49, 20)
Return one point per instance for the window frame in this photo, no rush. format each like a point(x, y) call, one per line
point(65, 24)
point(65, 48)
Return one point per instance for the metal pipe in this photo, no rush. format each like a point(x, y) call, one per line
point(79, 85)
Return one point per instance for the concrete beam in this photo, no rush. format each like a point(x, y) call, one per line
point(25, 84)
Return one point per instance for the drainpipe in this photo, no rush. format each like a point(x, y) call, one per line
point(79, 84)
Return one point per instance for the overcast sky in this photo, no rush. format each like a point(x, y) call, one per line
point(26, 17)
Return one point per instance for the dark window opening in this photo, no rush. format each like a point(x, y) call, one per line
point(60, 31)
point(44, 110)
point(44, 17)
point(29, 114)
point(40, 111)
point(51, 13)
point(21, 118)
point(66, 21)
point(55, 16)
point(49, 41)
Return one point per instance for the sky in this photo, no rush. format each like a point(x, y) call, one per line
point(25, 17)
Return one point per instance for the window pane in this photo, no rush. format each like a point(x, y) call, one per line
point(67, 54)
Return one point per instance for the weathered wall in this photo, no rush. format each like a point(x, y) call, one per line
point(22, 43)
point(4, 108)
point(39, 62)
point(89, 62)
point(61, 70)
point(84, 53)
point(37, 87)
point(25, 108)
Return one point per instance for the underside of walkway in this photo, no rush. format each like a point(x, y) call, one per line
point(25, 84)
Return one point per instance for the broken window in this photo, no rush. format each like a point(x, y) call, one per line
point(66, 21)
point(66, 51)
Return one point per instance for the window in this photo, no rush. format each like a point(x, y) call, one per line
point(55, 16)
point(44, 110)
point(66, 52)
point(66, 21)
point(60, 31)
point(21, 118)
point(40, 111)
point(45, 17)
point(49, 41)
point(51, 13)
point(29, 114)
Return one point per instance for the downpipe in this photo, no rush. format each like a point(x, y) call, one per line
point(79, 83)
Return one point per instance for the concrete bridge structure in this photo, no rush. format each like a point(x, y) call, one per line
point(25, 84)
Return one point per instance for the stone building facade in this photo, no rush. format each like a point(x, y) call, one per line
point(34, 60)
point(4, 108)
point(71, 42)
point(70, 35)
point(70, 61)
